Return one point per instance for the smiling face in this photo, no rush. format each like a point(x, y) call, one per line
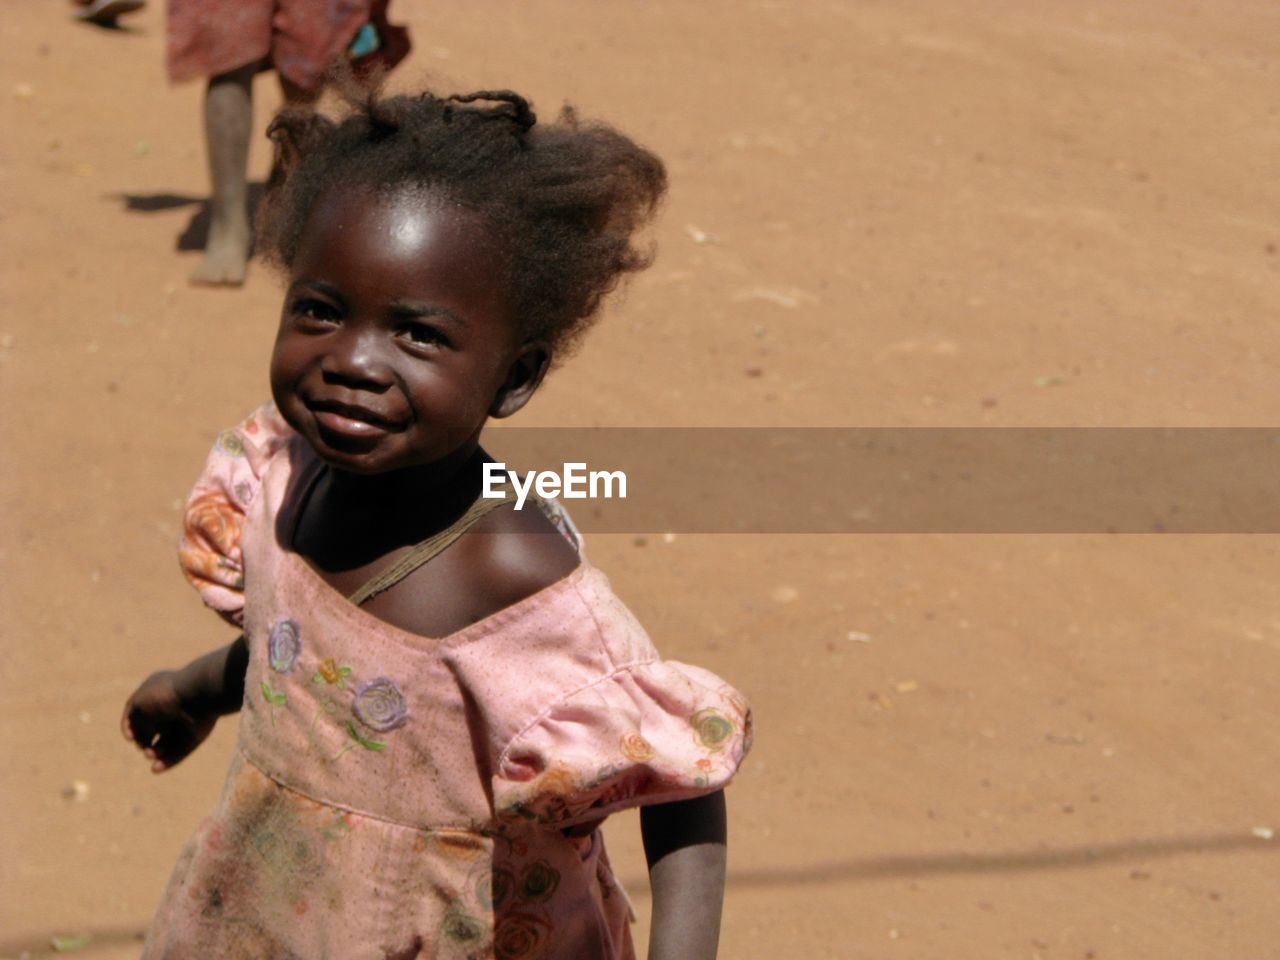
point(397, 339)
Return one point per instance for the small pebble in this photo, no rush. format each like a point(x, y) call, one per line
point(700, 236)
point(1263, 833)
point(23, 91)
point(668, 538)
point(857, 636)
point(76, 790)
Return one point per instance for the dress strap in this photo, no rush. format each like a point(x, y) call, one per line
point(431, 547)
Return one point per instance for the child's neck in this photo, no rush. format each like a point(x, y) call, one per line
point(366, 516)
point(395, 490)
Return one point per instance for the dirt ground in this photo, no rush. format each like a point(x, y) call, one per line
point(922, 213)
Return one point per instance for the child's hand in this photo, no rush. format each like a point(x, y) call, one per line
point(158, 720)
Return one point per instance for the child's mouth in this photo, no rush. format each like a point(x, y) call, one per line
point(347, 426)
point(347, 420)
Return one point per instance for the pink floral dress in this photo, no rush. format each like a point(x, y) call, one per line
point(394, 796)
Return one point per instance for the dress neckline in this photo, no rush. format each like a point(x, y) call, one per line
point(289, 513)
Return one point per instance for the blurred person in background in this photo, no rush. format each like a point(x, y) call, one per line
point(228, 42)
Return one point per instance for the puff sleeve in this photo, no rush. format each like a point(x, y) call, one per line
point(209, 549)
point(649, 733)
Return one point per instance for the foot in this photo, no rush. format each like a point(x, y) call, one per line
point(226, 255)
point(104, 12)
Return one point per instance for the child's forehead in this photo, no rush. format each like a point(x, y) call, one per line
point(406, 215)
point(409, 244)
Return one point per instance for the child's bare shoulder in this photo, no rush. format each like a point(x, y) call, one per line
point(506, 557)
point(512, 554)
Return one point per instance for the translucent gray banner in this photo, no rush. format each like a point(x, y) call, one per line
point(910, 480)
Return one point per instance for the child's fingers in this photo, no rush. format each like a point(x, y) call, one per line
point(172, 747)
point(138, 725)
point(162, 756)
point(128, 717)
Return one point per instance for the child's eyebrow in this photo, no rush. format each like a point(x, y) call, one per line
point(420, 308)
point(328, 289)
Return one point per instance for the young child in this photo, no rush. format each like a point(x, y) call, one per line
point(427, 749)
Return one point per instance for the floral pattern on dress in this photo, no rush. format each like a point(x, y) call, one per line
point(230, 441)
point(562, 795)
point(283, 645)
point(377, 705)
point(210, 547)
point(635, 747)
point(718, 733)
point(520, 934)
point(380, 705)
point(516, 896)
point(328, 671)
point(711, 728)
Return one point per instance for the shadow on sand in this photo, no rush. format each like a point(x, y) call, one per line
point(975, 863)
point(196, 233)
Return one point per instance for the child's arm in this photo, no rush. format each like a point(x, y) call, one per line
point(684, 843)
point(173, 711)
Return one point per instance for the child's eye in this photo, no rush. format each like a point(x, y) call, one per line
point(425, 335)
point(312, 309)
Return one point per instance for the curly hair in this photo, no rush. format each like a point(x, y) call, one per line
point(566, 197)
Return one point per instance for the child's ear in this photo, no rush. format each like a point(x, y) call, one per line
point(523, 377)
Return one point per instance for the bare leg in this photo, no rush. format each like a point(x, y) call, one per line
point(228, 119)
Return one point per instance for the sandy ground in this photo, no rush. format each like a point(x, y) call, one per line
point(924, 213)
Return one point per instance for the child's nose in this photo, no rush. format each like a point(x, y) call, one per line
point(356, 357)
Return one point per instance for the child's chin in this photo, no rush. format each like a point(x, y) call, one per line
point(351, 455)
